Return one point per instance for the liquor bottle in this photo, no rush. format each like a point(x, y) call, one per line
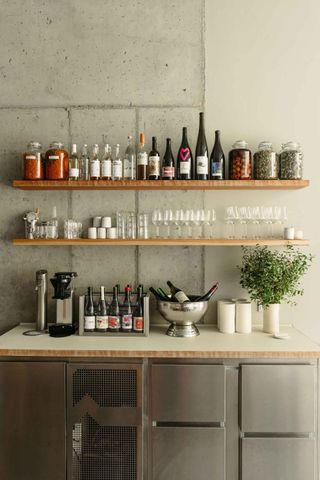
point(168, 163)
point(206, 297)
point(178, 294)
point(184, 160)
point(126, 319)
point(95, 163)
point(142, 160)
point(74, 163)
point(129, 161)
point(154, 161)
point(138, 318)
point(106, 163)
point(84, 163)
point(102, 313)
point(114, 313)
point(217, 159)
point(201, 152)
point(89, 316)
point(117, 164)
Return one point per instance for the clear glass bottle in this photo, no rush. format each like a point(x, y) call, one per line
point(265, 162)
point(291, 161)
point(129, 161)
point(85, 163)
point(106, 163)
point(240, 161)
point(33, 167)
point(117, 164)
point(74, 163)
point(95, 163)
point(142, 159)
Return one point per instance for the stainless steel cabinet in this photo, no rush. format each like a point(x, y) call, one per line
point(32, 421)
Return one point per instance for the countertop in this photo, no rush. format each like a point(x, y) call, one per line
point(209, 344)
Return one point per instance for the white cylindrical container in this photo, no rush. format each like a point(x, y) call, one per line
point(298, 235)
point(96, 222)
point(243, 317)
point(219, 303)
point(106, 222)
point(111, 232)
point(289, 233)
point(227, 311)
point(92, 233)
point(102, 232)
point(271, 318)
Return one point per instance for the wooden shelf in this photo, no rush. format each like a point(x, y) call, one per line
point(160, 242)
point(161, 184)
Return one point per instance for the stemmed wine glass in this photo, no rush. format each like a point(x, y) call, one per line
point(156, 219)
point(195, 218)
point(230, 218)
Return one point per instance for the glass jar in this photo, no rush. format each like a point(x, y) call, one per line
point(265, 162)
point(33, 162)
point(57, 162)
point(291, 161)
point(240, 161)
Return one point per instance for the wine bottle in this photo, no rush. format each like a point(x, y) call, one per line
point(114, 313)
point(89, 315)
point(138, 318)
point(117, 164)
point(74, 163)
point(163, 294)
point(142, 160)
point(156, 294)
point(106, 163)
point(154, 161)
point(177, 293)
point(184, 160)
point(201, 152)
point(126, 319)
point(85, 163)
point(217, 160)
point(102, 313)
point(206, 297)
point(129, 161)
point(95, 163)
point(168, 163)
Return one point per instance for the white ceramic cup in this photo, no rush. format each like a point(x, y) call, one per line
point(219, 303)
point(96, 222)
point(289, 233)
point(102, 232)
point(106, 222)
point(227, 314)
point(243, 317)
point(111, 232)
point(298, 235)
point(92, 233)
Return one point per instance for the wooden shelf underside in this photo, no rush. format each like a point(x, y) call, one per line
point(160, 242)
point(161, 184)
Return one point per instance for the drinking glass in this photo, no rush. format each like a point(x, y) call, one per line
point(254, 217)
point(242, 218)
point(266, 217)
point(186, 214)
point(143, 225)
point(177, 222)
point(167, 221)
point(156, 219)
point(230, 218)
point(195, 218)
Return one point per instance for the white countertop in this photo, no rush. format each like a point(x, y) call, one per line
point(209, 344)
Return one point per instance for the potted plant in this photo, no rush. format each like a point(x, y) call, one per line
point(272, 277)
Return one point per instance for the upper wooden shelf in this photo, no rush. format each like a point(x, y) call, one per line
point(161, 184)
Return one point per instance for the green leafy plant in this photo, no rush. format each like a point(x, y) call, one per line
point(272, 276)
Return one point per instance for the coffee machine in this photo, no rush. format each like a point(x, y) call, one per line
point(63, 293)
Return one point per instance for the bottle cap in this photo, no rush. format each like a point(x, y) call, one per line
point(142, 139)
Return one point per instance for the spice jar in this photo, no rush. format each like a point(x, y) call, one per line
point(57, 162)
point(265, 162)
point(291, 161)
point(33, 162)
point(240, 162)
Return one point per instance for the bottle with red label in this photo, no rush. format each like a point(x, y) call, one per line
point(168, 171)
point(184, 160)
point(114, 313)
point(126, 319)
point(138, 319)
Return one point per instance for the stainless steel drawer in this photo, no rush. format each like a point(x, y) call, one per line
point(188, 453)
point(278, 398)
point(278, 458)
point(188, 393)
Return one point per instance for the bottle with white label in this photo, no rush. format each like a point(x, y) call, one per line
point(129, 161)
point(178, 295)
point(184, 160)
point(168, 170)
point(117, 164)
point(202, 164)
point(114, 312)
point(106, 163)
point(138, 320)
point(142, 160)
point(85, 163)
point(95, 163)
point(102, 313)
point(74, 170)
point(126, 319)
point(89, 316)
point(154, 161)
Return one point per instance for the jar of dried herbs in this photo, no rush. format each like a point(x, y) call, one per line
point(291, 161)
point(57, 162)
point(265, 162)
point(33, 162)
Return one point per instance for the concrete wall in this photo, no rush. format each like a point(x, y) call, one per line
point(104, 67)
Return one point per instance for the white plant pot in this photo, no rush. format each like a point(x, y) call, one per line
point(271, 316)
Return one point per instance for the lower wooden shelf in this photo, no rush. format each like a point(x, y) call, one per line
point(218, 242)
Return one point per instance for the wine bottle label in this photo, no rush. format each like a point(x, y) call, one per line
point(95, 168)
point(114, 322)
point(202, 165)
point(181, 297)
point(127, 168)
point(167, 172)
point(106, 168)
point(117, 169)
point(154, 166)
point(74, 172)
point(142, 158)
point(216, 169)
point(89, 322)
point(126, 322)
point(185, 167)
point(101, 322)
point(138, 324)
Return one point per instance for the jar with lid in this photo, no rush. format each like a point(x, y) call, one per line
point(33, 168)
point(265, 162)
point(240, 161)
point(57, 162)
point(291, 161)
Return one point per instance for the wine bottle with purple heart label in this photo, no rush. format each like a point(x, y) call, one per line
point(184, 160)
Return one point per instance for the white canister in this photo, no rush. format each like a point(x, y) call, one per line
point(298, 235)
point(243, 317)
point(102, 232)
point(106, 222)
point(227, 315)
point(92, 233)
point(219, 303)
point(111, 232)
point(96, 222)
point(289, 233)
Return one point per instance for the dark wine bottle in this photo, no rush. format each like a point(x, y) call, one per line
point(163, 294)
point(126, 319)
point(114, 313)
point(217, 160)
point(142, 160)
point(138, 318)
point(208, 295)
point(201, 152)
point(178, 294)
point(184, 160)
point(89, 314)
point(154, 161)
point(168, 163)
point(156, 294)
point(102, 313)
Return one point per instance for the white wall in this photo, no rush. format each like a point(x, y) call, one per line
point(263, 83)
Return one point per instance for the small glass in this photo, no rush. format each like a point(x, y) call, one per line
point(143, 225)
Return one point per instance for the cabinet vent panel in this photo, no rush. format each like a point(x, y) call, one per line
point(107, 387)
point(103, 452)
